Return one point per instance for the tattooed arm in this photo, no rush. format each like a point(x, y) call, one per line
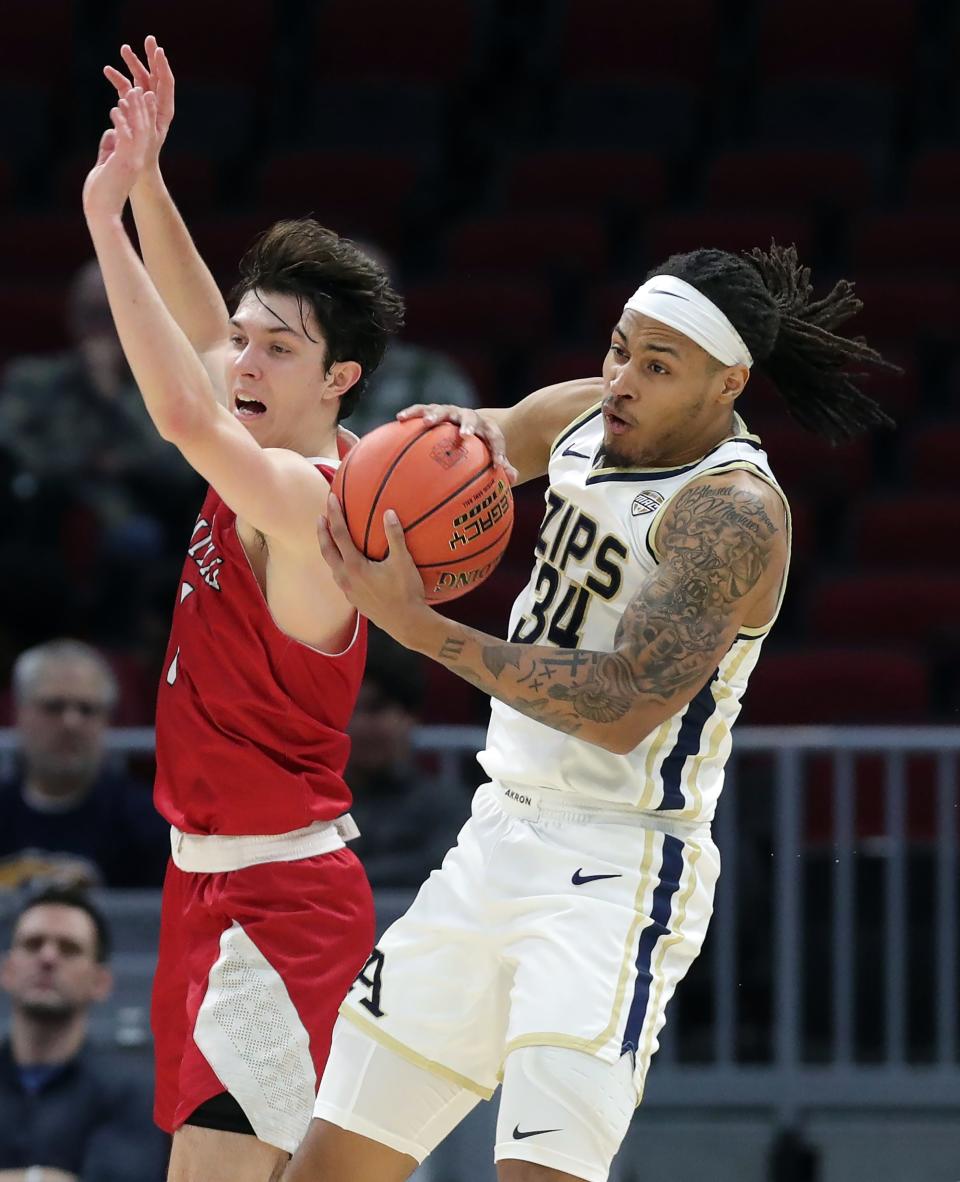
point(722, 546)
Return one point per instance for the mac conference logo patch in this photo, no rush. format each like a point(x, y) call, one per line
point(646, 502)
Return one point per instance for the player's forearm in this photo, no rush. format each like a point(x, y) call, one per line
point(174, 264)
point(165, 366)
point(588, 694)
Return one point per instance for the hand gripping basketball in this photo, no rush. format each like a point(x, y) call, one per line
point(452, 500)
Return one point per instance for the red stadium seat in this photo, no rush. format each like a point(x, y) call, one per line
point(204, 43)
point(912, 241)
point(820, 38)
point(600, 40)
point(564, 243)
point(893, 608)
point(934, 177)
point(933, 457)
point(44, 245)
point(223, 240)
point(870, 814)
point(905, 311)
point(797, 179)
point(604, 305)
point(386, 116)
point(838, 685)
point(910, 530)
point(809, 464)
point(382, 39)
point(588, 179)
point(190, 177)
point(499, 313)
point(676, 233)
point(562, 365)
point(356, 193)
point(341, 178)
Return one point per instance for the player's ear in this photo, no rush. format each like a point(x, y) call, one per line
point(735, 378)
point(342, 375)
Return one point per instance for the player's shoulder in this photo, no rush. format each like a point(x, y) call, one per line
point(733, 501)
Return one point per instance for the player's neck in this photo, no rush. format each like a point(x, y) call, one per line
point(322, 441)
point(687, 450)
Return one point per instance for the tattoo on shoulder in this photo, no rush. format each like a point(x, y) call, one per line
point(715, 544)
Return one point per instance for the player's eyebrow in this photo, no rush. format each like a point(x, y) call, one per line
point(273, 328)
point(649, 346)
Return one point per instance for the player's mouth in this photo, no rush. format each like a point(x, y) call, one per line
point(248, 408)
point(614, 423)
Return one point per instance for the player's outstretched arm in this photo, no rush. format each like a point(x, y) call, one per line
point(519, 437)
point(723, 549)
point(277, 492)
point(172, 260)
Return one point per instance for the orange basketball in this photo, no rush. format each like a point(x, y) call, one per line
point(454, 504)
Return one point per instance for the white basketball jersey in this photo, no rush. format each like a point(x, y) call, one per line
point(597, 545)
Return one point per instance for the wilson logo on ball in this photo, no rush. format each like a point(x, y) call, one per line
point(447, 456)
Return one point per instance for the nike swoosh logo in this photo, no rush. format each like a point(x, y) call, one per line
point(518, 1136)
point(579, 878)
point(568, 451)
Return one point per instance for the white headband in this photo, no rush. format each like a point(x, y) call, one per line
point(677, 304)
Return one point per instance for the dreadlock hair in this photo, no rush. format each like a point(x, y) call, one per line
point(767, 296)
point(350, 295)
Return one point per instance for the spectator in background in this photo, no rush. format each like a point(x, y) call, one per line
point(68, 1112)
point(408, 374)
point(82, 460)
point(64, 814)
point(408, 818)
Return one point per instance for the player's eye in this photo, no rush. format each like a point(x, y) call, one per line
point(237, 340)
point(657, 368)
point(279, 349)
point(620, 352)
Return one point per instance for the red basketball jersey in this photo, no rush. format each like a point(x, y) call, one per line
point(251, 724)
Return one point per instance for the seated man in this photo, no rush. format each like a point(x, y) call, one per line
point(63, 814)
point(408, 817)
point(68, 1112)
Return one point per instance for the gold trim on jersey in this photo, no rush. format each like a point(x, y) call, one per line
point(569, 429)
point(411, 1055)
point(740, 434)
point(721, 690)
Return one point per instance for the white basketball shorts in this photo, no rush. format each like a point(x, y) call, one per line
point(540, 929)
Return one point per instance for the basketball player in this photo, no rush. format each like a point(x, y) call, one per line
point(267, 916)
point(545, 950)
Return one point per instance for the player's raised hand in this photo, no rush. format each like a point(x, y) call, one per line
point(153, 77)
point(121, 156)
point(468, 422)
point(389, 593)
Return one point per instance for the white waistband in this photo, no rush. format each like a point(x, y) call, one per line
point(215, 853)
point(537, 804)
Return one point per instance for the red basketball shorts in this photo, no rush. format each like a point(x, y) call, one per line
point(253, 966)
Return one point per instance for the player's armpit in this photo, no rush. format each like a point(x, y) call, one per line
point(530, 427)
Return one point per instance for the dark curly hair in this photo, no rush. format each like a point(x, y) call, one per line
point(349, 294)
point(768, 297)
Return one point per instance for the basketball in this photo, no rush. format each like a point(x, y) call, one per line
point(453, 502)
